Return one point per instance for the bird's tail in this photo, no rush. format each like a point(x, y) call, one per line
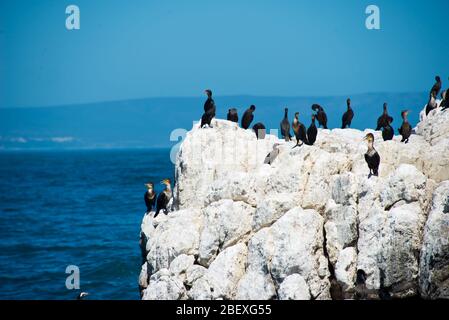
point(297, 145)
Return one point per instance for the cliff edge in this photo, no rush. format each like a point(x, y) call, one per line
point(311, 225)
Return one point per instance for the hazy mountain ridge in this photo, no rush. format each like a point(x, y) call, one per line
point(149, 122)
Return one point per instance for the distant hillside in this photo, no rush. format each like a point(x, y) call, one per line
point(147, 123)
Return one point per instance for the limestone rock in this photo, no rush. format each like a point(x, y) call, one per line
point(434, 265)
point(163, 286)
point(255, 285)
point(294, 287)
point(309, 225)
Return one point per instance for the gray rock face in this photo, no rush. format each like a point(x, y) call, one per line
point(311, 225)
point(434, 268)
point(163, 286)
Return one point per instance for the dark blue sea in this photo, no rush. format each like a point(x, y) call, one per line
point(83, 208)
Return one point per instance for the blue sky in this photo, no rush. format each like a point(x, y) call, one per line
point(136, 49)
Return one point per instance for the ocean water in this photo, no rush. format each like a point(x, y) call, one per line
point(83, 208)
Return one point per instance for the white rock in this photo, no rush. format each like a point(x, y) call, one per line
point(193, 273)
point(292, 245)
point(341, 228)
point(405, 184)
point(164, 287)
point(179, 234)
point(227, 269)
point(181, 263)
point(238, 186)
point(223, 275)
point(143, 276)
point(434, 262)
point(255, 285)
point(272, 208)
point(226, 223)
point(346, 269)
point(294, 287)
point(255, 227)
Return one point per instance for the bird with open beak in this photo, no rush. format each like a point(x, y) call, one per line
point(164, 198)
point(372, 158)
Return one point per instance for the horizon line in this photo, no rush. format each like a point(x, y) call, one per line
point(200, 96)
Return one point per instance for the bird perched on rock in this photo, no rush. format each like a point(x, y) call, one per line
point(387, 131)
point(445, 102)
point(406, 129)
point(312, 132)
point(233, 115)
point(320, 115)
point(299, 130)
point(150, 196)
point(163, 198)
point(209, 109)
point(384, 119)
point(259, 129)
point(347, 116)
point(248, 117)
point(269, 159)
point(436, 87)
point(372, 158)
point(285, 126)
point(432, 104)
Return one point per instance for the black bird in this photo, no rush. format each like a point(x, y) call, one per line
point(432, 104)
point(150, 197)
point(372, 158)
point(384, 119)
point(312, 132)
point(320, 115)
point(248, 117)
point(445, 103)
point(209, 109)
point(285, 127)
point(406, 129)
point(436, 87)
point(300, 131)
point(164, 198)
point(347, 116)
point(388, 131)
point(233, 115)
point(259, 129)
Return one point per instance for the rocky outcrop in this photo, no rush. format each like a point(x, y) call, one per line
point(311, 225)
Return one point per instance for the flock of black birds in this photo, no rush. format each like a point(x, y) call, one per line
point(302, 135)
point(308, 135)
